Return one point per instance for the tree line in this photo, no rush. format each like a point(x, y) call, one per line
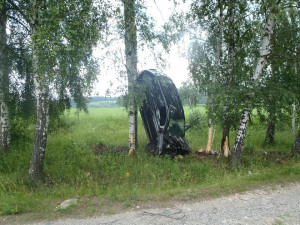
point(243, 55)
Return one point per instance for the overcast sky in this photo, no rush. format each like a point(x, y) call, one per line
point(176, 67)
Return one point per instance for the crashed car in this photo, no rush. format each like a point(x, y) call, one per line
point(163, 116)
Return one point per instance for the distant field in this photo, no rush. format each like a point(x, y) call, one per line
point(103, 104)
point(81, 161)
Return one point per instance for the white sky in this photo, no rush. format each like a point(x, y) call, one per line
point(176, 67)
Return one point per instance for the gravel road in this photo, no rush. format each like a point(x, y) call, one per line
point(263, 206)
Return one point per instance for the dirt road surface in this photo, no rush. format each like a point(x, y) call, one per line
point(281, 205)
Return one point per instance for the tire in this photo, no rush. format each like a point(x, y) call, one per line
point(152, 148)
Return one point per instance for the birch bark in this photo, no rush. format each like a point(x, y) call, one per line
point(41, 131)
point(42, 96)
point(131, 67)
point(4, 84)
point(238, 147)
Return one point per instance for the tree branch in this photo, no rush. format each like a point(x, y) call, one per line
point(159, 10)
point(243, 17)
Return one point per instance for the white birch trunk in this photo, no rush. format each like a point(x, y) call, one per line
point(132, 130)
point(236, 154)
point(42, 95)
point(4, 85)
point(41, 131)
point(265, 48)
point(5, 124)
point(131, 67)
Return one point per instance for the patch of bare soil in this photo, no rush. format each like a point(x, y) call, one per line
point(201, 155)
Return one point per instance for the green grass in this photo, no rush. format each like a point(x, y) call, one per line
point(74, 168)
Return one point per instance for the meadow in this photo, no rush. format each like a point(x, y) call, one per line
point(87, 158)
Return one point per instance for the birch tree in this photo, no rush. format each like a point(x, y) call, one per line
point(4, 81)
point(293, 118)
point(218, 50)
point(15, 63)
point(131, 68)
point(62, 36)
point(261, 62)
point(279, 83)
point(209, 15)
point(228, 43)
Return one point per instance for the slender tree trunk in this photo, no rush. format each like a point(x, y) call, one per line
point(235, 114)
point(42, 95)
point(236, 154)
point(296, 147)
point(209, 137)
point(41, 131)
point(225, 146)
point(131, 67)
point(271, 101)
point(294, 104)
point(190, 104)
point(270, 129)
point(4, 84)
point(294, 118)
point(5, 125)
point(271, 125)
point(215, 74)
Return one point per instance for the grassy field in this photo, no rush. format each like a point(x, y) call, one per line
point(81, 161)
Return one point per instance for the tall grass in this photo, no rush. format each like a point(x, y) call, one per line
point(74, 165)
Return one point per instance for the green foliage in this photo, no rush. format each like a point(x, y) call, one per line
point(190, 95)
point(20, 128)
point(62, 39)
point(201, 124)
point(210, 69)
point(278, 86)
point(84, 159)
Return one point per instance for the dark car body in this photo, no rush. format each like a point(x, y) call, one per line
point(162, 114)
